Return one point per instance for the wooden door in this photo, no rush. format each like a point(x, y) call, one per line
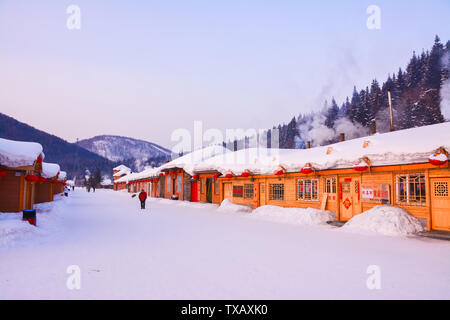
point(194, 191)
point(262, 194)
point(350, 202)
point(440, 204)
point(227, 191)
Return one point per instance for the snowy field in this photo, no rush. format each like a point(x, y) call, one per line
point(179, 250)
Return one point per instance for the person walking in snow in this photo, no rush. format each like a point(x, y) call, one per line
point(142, 198)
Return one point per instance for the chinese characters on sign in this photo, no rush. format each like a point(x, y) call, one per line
point(376, 193)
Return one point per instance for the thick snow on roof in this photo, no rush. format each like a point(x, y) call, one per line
point(147, 173)
point(15, 154)
point(408, 146)
point(50, 170)
point(122, 167)
point(106, 182)
point(62, 175)
point(187, 162)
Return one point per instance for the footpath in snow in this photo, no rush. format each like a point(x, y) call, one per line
point(182, 250)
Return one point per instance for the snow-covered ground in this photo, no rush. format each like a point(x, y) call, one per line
point(178, 250)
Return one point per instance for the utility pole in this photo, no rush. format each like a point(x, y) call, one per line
point(390, 110)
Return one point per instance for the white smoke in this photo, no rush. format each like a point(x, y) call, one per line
point(315, 130)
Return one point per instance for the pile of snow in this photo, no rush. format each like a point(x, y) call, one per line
point(48, 219)
point(228, 206)
point(62, 176)
point(297, 216)
point(387, 220)
point(15, 154)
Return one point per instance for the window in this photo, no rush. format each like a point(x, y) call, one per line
point(308, 189)
point(330, 185)
point(248, 191)
point(216, 186)
point(179, 184)
point(238, 191)
point(276, 191)
point(168, 184)
point(411, 189)
point(202, 185)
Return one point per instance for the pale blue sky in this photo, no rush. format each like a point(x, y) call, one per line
point(145, 68)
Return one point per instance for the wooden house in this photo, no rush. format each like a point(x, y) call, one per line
point(118, 173)
point(20, 168)
point(407, 168)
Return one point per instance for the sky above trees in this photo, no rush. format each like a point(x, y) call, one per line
point(145, 69)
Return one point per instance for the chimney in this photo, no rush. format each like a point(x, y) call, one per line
point(308, 145)
point(374, 127)
point(342, 137)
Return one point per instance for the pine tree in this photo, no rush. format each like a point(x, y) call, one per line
point(332, 114)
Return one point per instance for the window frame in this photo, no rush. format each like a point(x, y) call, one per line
point(331, 185)
point(405, 186)
point(238, 194)
point(249, 190)
point(276, 189)
point(302, 195)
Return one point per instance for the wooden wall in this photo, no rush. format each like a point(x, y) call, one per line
point(11, 192)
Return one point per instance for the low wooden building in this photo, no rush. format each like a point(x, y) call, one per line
point(20, 168)
point(118, 173)
point(407, 168)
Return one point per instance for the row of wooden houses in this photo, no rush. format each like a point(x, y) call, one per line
point(25, 179)
point(407, 168)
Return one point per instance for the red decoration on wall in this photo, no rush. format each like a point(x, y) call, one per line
point(228, 175)
point(2, 173)
point(166, 173)
point(39, 159)
point(195, 177)
point(245, 174)
point(42, 179)
point(216, 175)
point(161, 174)
point(32, 178)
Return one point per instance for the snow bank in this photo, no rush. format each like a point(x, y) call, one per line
point(387, 220)
point(228, 206)
point(296, 216)
point(48, 218)
point(15, 154)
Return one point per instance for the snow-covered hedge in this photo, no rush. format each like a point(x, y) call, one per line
point(387, 220)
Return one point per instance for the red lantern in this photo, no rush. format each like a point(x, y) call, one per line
point(245, 174)
point(439, 159)
point(42, 179)
point(306, 170)
point(166, 173)
point(278, 172)
point(216, 175)
point(54, 182)
point(161, 174)
point(228, 175)
point(2, 173)
point(195, 177)
point(39, 159)
point(179, 171)
point(32, 178)
point(361, 166)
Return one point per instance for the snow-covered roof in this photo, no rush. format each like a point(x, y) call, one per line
point(408, 146)
point(190, 160)
point(50, 170)
point(15, 154)
point(122, 167)
point(123, 170)
point(147, 173)
point(62, 175)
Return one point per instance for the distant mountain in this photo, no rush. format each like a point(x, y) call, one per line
point(71, 157)
point(136, 153)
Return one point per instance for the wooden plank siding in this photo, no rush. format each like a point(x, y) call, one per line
point(386, 175)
